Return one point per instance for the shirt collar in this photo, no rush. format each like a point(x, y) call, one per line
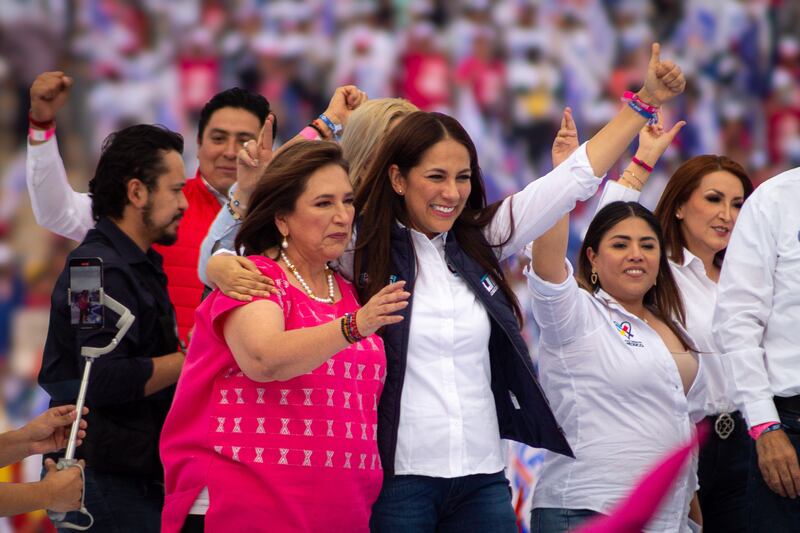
point(611, 302)
point(688, 258)
point(128, 250)
point(221, 198)
point(440, 238)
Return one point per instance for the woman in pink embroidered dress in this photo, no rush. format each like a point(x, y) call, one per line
point(273, 426)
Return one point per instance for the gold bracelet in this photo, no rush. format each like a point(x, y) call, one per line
point(633, 175)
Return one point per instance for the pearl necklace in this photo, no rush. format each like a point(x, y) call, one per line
point(331, 294)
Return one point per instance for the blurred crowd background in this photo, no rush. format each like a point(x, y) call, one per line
point(505, 68)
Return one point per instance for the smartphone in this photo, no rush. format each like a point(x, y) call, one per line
point(86, 294)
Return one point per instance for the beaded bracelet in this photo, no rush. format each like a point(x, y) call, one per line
point(343, 325)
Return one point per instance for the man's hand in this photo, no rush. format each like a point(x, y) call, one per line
point(566, 139)
point(344, 101)
point(49, 432)
point(777, 460)
point(63, 488)
point(664, 80)
point(252, 160)
point(49, 93)
point(239, 278)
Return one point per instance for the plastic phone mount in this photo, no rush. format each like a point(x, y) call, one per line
point(89, 353)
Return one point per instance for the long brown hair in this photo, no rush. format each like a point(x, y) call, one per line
point(379, 205)
point(277, 191)
point(680, 187)
point(662, 299)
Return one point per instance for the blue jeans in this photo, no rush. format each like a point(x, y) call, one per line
point(769, 512)
point(558, 520)
point(411, 504)
point(120, 504)
point(722, 472)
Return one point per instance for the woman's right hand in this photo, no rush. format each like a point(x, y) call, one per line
point(252, 160)
point(239, 278)
point(653, 140)
point(378, 311)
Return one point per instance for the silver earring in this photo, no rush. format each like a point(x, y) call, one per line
point(284, 243)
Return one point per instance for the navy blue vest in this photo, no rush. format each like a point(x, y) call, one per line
point(523, 412)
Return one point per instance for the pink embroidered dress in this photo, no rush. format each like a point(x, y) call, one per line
point(295, 455)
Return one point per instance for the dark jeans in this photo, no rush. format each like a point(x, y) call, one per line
point(410, 504)
point(120, 504)
point(194, 523)
point(770, 513)
point(556, 520)
point(722, 473)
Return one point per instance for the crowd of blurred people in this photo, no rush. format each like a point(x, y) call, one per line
point(505, 68)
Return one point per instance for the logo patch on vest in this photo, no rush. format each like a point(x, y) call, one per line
point(489, 284)
point(626, 330)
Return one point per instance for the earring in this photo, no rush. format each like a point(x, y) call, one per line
point(593, 278)
point(284, 243)
point(678, 216)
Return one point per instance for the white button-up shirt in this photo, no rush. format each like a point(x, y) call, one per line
point(757, 317)
point(617, 394)
point(699, 294)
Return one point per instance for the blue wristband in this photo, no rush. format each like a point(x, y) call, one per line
point(773, 427)
point(336, 129)
point(651, 117)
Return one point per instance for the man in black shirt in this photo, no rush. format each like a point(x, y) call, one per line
point(137, 200)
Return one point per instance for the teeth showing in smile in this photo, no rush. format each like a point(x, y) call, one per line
point(443, 209)
point(720, 229)
point(634, 271)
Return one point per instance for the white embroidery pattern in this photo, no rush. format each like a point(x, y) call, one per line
point(347, 369)
point(285, 426)
point(283, 460)
point(260, 392)
point(330, 367)
point(235, 452)
point(372, 467)
point(360, 374)
point(221, 424)
point(236, 422)
point(218, 449)
point(347, 456)
point(377, 371)
point(284, 397)
point(363, 432)
point(259, 452)
point(374, 431)
point(360, 401)
point(329, 460)
point(330, 428)
point(330, 397)
point(349, 434)
point(307, 457)
point(363, 464)
point(308, 432)
point(347, 400)
point(239, 399)
point(307, 392)
point(260, 428)
point(224, 400)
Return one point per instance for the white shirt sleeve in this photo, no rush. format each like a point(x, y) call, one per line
point(56, 206)
point(559, 308)
point(221, 236)
point(744, 303)
point(537, 207)
point(613, 191)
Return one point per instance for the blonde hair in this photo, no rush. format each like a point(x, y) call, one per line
point(365, 129)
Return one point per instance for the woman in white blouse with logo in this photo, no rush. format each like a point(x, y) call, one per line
point(697, 211)
point(616, 364)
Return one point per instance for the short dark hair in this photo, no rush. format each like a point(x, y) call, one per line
point(283, 182)
point(133, 152)
point(238, 98)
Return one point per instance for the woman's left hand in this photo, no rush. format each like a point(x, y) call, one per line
point(566, 140)
point(252, 160)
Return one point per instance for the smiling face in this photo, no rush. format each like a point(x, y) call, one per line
point(227, 130)
point(437, 189)
point(319, 228)
point(627, 260)
point(708, 216)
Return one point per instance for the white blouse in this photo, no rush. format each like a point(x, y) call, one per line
point(617, 393)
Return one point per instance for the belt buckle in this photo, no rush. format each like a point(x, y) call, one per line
point(724, 425)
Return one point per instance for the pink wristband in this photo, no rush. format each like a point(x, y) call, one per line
point(628, 96)
point(309, 133)
point(41, 135)
point(641, 163)
point(756, 431)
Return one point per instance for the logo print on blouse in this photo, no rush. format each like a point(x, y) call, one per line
point(626, 330)
point(489, 284)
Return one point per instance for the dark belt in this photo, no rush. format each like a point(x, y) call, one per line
point(792, 403)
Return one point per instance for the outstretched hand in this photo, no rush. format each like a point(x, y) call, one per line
point(252, 160)
point(566, 140)
point(664, 80)
point(654, 140)
point(344, 101)
point(49, 93)
point(49, 432)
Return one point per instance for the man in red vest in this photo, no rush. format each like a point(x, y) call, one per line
point(227, 121)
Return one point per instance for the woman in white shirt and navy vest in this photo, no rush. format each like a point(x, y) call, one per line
point(616, 364)
point(697, 211)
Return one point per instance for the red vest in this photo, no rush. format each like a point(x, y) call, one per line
point(180, 259)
